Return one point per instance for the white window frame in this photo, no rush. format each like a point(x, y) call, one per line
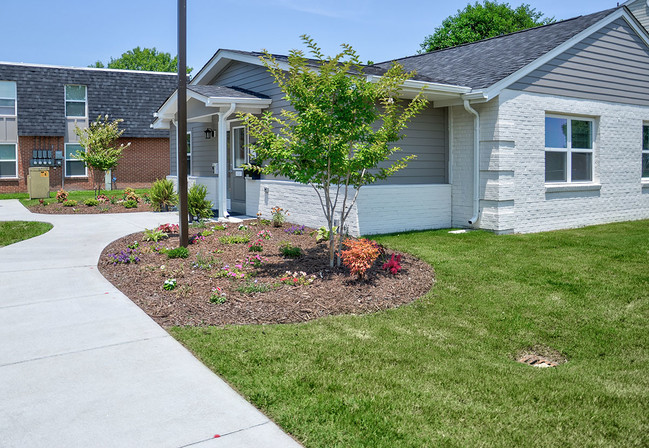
point(14, 98)
point(568, 150)
point(15, 160)
point(65, 160)
point(246, 157)
point(645, 151)
point(66, 100)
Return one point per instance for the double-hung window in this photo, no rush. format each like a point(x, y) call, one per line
point(75, 101)
point(645, 151)
point(569, 143)
point(8, 98)
point(74, 167)
point(8, 160)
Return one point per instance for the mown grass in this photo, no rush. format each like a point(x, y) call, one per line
point(14, 231)
point(79, 196)
point(441, 372)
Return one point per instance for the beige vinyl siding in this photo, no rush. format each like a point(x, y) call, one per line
point(610, 65)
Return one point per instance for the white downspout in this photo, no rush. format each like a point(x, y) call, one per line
point(223, 162)
point(476, 162)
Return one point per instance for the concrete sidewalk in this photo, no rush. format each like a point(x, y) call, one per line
point(82, 366)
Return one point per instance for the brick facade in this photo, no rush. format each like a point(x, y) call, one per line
point(146, 160)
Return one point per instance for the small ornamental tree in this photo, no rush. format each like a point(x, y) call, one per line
point(339, 134)
point(101, 150)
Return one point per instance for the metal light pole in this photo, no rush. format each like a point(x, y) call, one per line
point(182, 124)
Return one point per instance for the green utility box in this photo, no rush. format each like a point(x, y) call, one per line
point(38, 183)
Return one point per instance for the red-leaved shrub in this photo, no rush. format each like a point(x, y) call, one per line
point(359, 256)
point(394, 265)
point(168, 228)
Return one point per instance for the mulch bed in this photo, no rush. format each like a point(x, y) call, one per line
point(56, 208)
point(333, 291)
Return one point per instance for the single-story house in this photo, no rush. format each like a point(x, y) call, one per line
point(40, 106)
point(542, 129)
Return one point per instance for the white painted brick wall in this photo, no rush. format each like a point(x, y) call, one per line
point(379, 208)
point(617, 163)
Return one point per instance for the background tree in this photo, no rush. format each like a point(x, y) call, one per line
point(481, 21)
point(148, 59)
point(339, 131)
point(102, 153)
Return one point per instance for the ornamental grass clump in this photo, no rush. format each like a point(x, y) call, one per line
point(163, 195)
point(359, 256)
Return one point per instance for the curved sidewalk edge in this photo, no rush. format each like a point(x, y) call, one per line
point(81, 365)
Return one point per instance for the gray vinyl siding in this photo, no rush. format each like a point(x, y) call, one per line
point(427, 139)
point(204, 151)
point(610, 65)
point(640, 10)
point(426, 134)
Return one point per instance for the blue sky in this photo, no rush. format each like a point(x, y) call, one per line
point(78, 33)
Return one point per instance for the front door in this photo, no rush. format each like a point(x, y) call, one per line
point(237, 156)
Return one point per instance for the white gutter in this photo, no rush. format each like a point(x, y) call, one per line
point(476, 162)
point(223, 162)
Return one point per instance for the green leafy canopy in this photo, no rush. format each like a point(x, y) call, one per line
point(339, 134)
point(148, 59)
point(481, 21)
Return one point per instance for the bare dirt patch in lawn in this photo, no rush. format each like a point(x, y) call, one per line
point(332, 291)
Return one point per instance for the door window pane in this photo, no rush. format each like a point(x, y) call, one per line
point(582, 135)
point(189, 153)
point(239, 137)
point(582, 166)
point(555, 166)
point(556, 132)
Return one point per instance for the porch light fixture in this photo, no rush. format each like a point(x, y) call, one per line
point(209, 133)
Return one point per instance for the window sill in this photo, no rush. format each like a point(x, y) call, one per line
point(645, 183)
point(567, 187)
point(9, 178)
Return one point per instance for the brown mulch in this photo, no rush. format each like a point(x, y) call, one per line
point(56, 208)
point(332, 292)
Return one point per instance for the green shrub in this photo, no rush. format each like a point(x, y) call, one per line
point(91, 202)
point(289, 251)
point(169, 284)
point(234, 239)
point(131, 203)
point(178, 252)
point(70, 203)
point(207, 232)
point(154, 235)
point(197, 206)
point(162, 195)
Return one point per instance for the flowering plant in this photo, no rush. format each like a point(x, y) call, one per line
point(394, 265)
point(102, 198)
point(61, 195)
point(169, 228)
point(195, 239)
point(254, 260)
point(169, 284)
point(218, 296)
point(243, 227)
point(125, 257)
point(297, 278)
point(295, 230)
point(264, 234)
point(360, 255)
point(233, 273)
point(256, 246)
point(278, 216)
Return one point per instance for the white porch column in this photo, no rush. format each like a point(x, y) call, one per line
point(223, 161)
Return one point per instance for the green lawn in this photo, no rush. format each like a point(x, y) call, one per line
point(79, 196)
point(441, 372)
point(14, 231)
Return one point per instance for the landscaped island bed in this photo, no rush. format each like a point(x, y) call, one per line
point(278, 290)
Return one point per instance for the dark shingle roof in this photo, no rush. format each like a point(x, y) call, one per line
point(226, 92)
point(483, 63)
point(131, 95)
